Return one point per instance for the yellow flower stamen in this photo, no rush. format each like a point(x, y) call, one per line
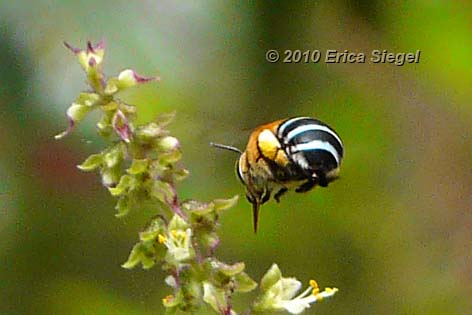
point(331, 290)
point(313, 284)
point(161, 239)
point(315, 287)
point(178, 234)
point(168, 299)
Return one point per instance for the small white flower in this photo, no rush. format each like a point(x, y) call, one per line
point(170, 281)
point(179, 245)
point(280, 293)
point(296, 305)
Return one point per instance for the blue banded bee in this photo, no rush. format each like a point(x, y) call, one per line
point(299, 153)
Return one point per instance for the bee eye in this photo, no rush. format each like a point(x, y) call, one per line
point(242, 167)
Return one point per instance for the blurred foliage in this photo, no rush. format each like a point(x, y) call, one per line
point(393, 234)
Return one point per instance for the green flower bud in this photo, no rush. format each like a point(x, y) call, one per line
point(91, 60)
point(91, 163)
point(138, 166)
point(122, 126)
point(91, 57)
point(244, 283)
point(129, 78)
point(231, 270)
point(149, 132)
point(168, 144)
point(223, 204)
point(271, 277)
point(77, 112)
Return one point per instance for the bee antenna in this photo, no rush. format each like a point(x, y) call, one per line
point(225, 147)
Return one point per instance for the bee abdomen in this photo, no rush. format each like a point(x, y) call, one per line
point(311, 144)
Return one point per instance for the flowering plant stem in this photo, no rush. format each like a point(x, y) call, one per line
point(142, 165)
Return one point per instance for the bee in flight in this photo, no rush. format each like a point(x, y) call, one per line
point(299, 153)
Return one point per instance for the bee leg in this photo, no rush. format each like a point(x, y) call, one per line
point(322, 181)
point(306, 186)
point(265, 196)
point(279, 194)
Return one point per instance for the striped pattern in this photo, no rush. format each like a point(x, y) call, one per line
point(312, 145)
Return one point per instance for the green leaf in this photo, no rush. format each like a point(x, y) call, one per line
point(209, 240)
point(122, 206)
point(143, 253)
point(156, 226)
point(91, 163)
point(134, 257)
point(223, 204)
point(77, 112)
point(214, 296)
point(177, 223)
point(104, 125)
point(244, 283)
point(138, 166)
point(88, 99)
point(180, 174)
point(170, 157)
point(114, 155)
point(110, 176)
point(163, 192)
point(197, 207)
point(147, 262)
point(231, 270)
point(191, 289)
point(110, 107)
point(112, 86)
point(271, 277)
point(125, 182)
point(165, 118)
point(149, 132)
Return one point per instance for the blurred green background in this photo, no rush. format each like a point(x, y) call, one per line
point(394, 234)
